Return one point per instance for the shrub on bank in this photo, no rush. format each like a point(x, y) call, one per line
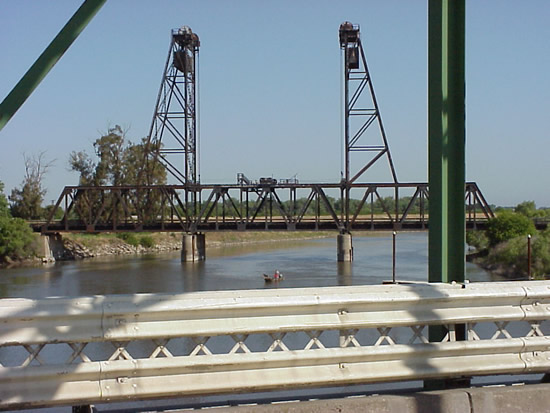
point(540, 254)
point(129, 238)
point(15, 234)
point(15, 239)
point(508, 225)
point(477, 239)
point(512, 254)
point(147, 241)
point(132, 239)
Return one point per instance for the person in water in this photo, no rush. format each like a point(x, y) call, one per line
point(277, 275)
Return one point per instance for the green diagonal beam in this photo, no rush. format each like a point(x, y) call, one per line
point(48, 59)
point(446, 136)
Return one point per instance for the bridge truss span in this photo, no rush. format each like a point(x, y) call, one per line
point(252, 207)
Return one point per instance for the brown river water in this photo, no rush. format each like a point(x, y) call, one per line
point(308, 263)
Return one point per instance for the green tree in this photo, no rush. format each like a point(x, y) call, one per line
point(58, 214)
point(136, 171)
point(529, 209)
point(26, 201)
point(119, 163)
point(526, 208)
point(508, 225)
point(15, 234)
point(110, 150)
point(83, 164)
point(4, 208)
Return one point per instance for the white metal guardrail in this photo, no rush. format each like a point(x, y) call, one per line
point(110, 348)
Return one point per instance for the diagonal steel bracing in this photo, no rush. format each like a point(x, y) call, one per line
point(249, 207)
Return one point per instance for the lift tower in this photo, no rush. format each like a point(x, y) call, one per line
point(363, 129)
point(361, 109)
point(173, 131)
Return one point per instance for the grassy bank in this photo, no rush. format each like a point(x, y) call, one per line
point(227, 238)
point(127, 243)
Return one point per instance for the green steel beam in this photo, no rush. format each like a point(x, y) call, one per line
point(48, 59)
point(446, 140)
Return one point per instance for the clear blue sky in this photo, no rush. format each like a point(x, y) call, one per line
point(270, 86)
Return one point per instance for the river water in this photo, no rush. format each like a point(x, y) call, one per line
point(309, 263)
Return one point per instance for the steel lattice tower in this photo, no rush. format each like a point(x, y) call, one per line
point(173, 131)
point(361, 117)
point(361, 114)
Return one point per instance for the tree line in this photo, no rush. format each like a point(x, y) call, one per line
point(116, 161)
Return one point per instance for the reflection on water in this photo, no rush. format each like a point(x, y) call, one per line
point(304, 263)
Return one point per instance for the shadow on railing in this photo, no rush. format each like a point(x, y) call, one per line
point(64, 351)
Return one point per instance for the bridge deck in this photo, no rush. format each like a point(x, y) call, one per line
point(79, 227)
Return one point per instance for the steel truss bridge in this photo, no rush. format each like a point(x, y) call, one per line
point(260, 207)
point(193, 207)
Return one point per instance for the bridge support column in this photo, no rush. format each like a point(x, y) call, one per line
point(344, 247)
point(446, 140)
point(446, 156)
point(45, 250)
point(193, 248)
point(50, 247)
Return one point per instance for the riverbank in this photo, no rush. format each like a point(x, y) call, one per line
point(514, 258)
point(70, 246)
point(508, 271)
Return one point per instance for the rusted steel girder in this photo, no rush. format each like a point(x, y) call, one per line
point(248, 207)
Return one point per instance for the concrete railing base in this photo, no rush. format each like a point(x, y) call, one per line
point(506, 399)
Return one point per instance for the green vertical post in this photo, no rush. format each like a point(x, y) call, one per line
point(48, 59)
point(446, 136)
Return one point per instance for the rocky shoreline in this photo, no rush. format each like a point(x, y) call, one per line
point(74, 250)
point(68, 247)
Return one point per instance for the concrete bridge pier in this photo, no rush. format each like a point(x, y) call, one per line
point(50, 247)
point(193, 248)
point(344, 246)
point(45, 249)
